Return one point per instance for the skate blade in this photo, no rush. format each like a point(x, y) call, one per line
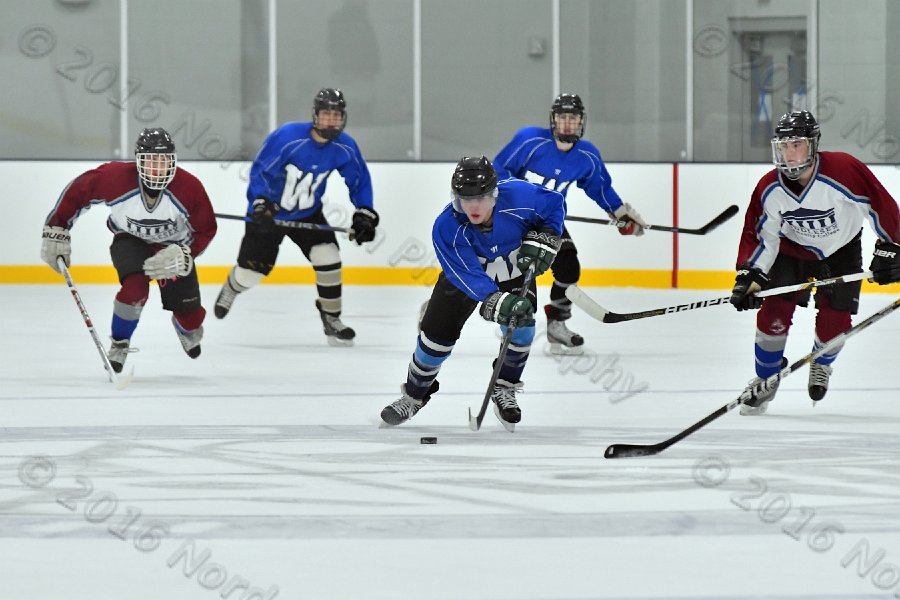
point(339, 343)
point(563, 350)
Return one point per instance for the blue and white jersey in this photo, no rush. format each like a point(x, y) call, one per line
point(532, 155)
point(291, 170)
point(475, 260)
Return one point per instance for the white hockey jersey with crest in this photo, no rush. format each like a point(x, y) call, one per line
point(815, 222)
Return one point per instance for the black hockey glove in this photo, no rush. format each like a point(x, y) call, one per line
point(503, 307)
point(747, 282)
point(365, 220)
point(540, 248)
point(885, 265)
point(263, 214)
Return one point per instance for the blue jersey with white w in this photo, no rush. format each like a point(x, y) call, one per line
point(291, 170)
point(473, 259)
point(532, 155)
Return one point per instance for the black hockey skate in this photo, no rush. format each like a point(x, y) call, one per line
point(403, 409)
point(505, 406)
point(336, 332)
point(818, 381)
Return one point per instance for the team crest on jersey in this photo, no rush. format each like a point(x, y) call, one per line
point(152, 230)
point(812, 223)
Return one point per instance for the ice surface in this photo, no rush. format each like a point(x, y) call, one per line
point(261, 464)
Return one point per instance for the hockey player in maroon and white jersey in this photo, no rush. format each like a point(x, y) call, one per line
point(805, 220)
point(161, 219)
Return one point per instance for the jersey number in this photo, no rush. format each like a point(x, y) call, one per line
point(299, 188)
point(503, 268)
point(550, 184)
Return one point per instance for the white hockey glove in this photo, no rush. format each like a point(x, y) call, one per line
point(56, 241)
point(634, 224)
point(174, 260)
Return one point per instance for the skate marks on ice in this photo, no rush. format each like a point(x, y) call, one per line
point(261, 482)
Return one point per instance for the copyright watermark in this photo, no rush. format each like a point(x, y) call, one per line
point(37, 41)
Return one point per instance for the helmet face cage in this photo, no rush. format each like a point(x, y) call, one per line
point(791, 128)
point(567, 104)
point(154, 154)
point(329, 99)
point(473, 180)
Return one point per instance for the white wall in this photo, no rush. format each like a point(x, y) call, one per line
point(408, 196)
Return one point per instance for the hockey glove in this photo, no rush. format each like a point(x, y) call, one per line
point(56, 241)
point(540, 248)
point(633, 223)
point(747, 282)
point(885, 265)
point(503, 307)
point(172, 261)
point(263, 214)
point(364, 222)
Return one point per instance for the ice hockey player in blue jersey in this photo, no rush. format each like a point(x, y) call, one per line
point(485, 240)
point(556, 157)
point(287, 182)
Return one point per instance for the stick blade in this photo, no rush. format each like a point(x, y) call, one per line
point(474, 425)
point(122, 382)
point(631, 450)
point(586, 303)
point(724, 216)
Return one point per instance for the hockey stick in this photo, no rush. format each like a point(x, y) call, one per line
point(291, 224)
point(718, 220)
point(475, 421)
point(628, 450)
point(120, 382)
point(580, 299)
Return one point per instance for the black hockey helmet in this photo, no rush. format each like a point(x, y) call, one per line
point(571, 104)
point(791, 127)
point(154, 153)
point(330, 99)
point(474, 177)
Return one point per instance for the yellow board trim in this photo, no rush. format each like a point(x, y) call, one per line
point(424, 276)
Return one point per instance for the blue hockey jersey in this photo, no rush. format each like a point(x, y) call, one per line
point(474, 260)
point(291, 170)
point(532, 155)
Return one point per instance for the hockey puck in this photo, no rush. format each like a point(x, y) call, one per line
point(428, 440)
